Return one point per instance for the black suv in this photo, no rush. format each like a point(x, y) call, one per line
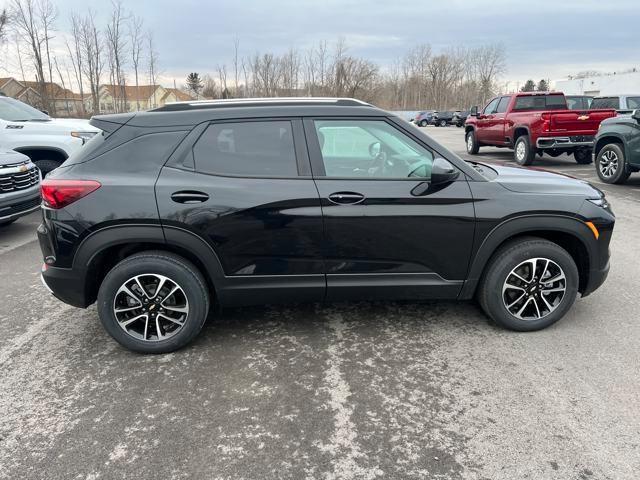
point(291, 200)
point(442, 119)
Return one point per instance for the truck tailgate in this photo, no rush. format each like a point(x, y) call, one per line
point(575, 121)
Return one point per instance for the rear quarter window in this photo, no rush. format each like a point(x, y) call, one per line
point(606, 102)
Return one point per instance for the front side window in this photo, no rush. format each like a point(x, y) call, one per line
point(370, 149)
point(13, 110)
point(502, 105)
point(259, 149)
point(489, 109)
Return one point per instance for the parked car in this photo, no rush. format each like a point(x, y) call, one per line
point(160, 216)
point(621, 103)
point(46, 141)
point(423, 119)
point(459, 118)
point(617, 148)
point(19, 186)
point(442, 119)
point(579, 102)
point(534, 122)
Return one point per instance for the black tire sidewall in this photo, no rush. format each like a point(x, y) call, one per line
point(443, 123)
point(173, 267)
point(621, 174)
point(475, 147)
point(507, 259)
point(582, 156)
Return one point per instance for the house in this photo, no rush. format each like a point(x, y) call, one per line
point(175, 95)
point(62, 102)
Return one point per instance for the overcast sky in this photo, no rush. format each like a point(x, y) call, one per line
point(551, 39)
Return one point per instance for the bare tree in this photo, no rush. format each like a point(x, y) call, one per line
point(75, 55)
point(136, 38)
point(209, 89)
point(92, 57)
point(236, 71)
point(491, 64)
point(4, 22)
point(117, 45)
point(152, 59)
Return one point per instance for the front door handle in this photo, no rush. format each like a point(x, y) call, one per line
point(189, 196)
point(346, 198)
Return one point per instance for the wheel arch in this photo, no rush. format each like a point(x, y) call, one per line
point(43, 153)
point(520, 130)
point(103, 249)
point(606, 140)
point(568, 232)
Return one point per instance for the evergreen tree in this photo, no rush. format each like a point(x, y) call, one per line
point(543, 86)
point(194, 84)
point(529, 86)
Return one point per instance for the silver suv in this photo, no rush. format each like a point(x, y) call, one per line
point(19, 186)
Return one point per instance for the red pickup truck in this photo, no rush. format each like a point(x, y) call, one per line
point(534, 122)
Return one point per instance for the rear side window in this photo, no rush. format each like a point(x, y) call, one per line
point(259, 149)
point(502, 106)
point(540, 102)
point(606, 102)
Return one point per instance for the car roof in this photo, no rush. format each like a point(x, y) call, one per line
point(529, 94)
point(195, 112)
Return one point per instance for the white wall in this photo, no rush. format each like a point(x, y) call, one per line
point(623, 83)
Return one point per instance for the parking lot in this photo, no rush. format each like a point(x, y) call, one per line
point(345, 391)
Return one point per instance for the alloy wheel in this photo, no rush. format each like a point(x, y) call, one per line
point(469, 143)
point(608, 164)
point(534, 289)
point(520, 151)
point(151, 307)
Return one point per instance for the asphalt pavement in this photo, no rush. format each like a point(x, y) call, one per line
point(345, 391)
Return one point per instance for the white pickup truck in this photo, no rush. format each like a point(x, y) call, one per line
point(46, 141)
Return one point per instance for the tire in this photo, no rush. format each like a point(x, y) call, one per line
point(495, 297)
point(611, 164)
point(423, 123)
point(46, 166)
point(7, 222)
point(443, 123)
point(523, 154)
point(147, 268)
point(472, 143)
point(582, 156)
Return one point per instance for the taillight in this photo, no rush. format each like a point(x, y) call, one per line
point(60, 193)
point(546, 122)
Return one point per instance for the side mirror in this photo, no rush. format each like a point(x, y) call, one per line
point(45, 112)
point(474, 111)
point(374, 149)
point(636, 114)
point(443, 172)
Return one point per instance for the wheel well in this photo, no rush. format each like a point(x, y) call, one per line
point(106, 259)
point(468, 129)
point(572, 244)
point(43, 154)
point(518, 132)
point(605, 141)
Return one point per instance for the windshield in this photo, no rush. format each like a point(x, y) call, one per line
point(13, 110)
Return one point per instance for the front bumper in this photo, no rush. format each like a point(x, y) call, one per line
point(596, 278)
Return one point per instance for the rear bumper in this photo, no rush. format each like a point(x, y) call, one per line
point(67, 285)
point(565, 142)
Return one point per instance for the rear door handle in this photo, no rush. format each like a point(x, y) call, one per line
point(346, 198)
point(189, 196)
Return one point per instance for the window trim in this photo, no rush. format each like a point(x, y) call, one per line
point(508, 97)
point(489, 103)
point(303, 166)
point(317, 163)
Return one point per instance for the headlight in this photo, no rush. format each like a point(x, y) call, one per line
point(85, 136)
point(600, 202)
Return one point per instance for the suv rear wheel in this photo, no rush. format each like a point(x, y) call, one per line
point(611, 164)
point(443, 123)
point(523, 154)
point(529, 284)
point(153, 302)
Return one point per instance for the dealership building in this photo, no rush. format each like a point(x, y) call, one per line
point(608, 84)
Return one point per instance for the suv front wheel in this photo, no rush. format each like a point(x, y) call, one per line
point(153, 302)
point(529, 284)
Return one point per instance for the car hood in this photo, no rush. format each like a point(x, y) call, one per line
point(62, 126)
point(536, 180)
point(10, 157)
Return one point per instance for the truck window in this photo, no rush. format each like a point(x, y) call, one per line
point(540, 102)
point(489, 109)
point(606, 102)
point(502, 105)
point(633, 102)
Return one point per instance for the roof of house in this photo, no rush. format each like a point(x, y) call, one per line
point(132, 93)
point(179, 94)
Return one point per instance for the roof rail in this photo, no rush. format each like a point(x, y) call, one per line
point(270, 101)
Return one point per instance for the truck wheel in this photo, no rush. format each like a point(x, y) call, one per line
point(523, 154)
point(443, 123)
point(611, 166)
point(528, 285)
point(472, 143)
point(46, 166)
point(582, 156)
point(423, 123)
